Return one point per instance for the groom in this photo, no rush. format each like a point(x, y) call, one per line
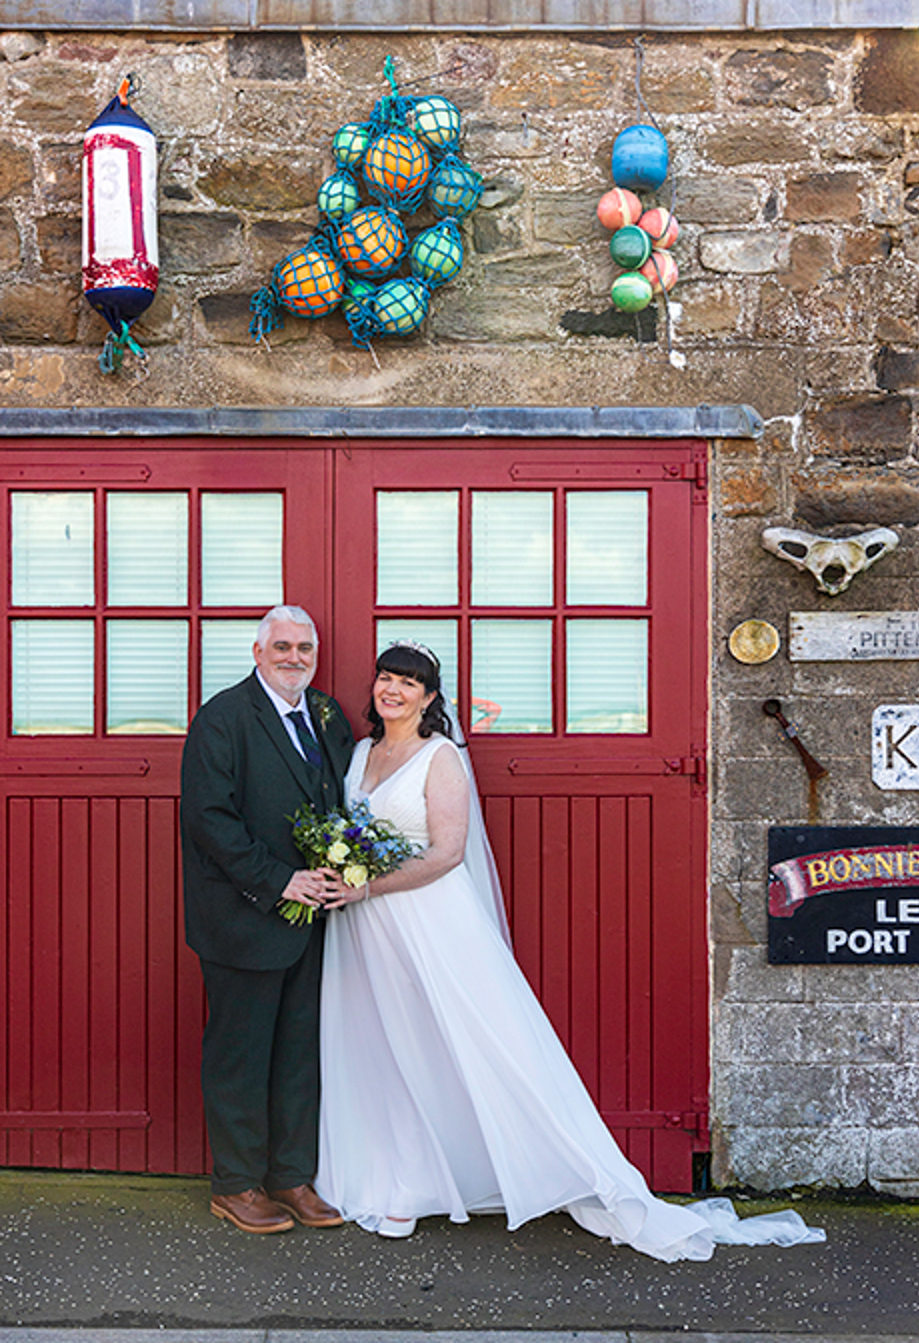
point(248, 763)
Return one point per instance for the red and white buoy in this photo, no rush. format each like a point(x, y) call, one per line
point(120, 253)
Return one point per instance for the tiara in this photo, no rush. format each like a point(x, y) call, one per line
point(418, 648)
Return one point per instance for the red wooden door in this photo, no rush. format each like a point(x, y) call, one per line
point(572, 622)
point(136, 577)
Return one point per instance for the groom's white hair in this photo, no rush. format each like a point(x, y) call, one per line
point(294, 613)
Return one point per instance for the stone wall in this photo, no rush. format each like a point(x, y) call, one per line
point(796, 167)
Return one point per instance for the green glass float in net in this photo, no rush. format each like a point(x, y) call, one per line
point(400, 306)
point(436, 121)
point(349, 143)
point(453, 188)
point(338, 196)
point(436, 255)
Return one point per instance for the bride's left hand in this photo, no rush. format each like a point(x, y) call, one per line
point(339, 894)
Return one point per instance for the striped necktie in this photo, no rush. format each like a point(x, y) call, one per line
point(307, 740)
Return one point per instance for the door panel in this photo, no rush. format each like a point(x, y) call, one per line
point(599, 835)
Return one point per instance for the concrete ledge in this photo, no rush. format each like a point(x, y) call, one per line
point(386, 422)
point(461, 15)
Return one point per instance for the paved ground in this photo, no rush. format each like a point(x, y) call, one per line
point(84, 1254)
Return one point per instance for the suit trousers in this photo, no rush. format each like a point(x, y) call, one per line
point(260, 1072)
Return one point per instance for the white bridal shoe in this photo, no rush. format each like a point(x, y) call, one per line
point(396, 1228)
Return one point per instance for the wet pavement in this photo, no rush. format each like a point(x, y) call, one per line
point(82, 1255)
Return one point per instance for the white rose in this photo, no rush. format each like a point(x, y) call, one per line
point(338, 852)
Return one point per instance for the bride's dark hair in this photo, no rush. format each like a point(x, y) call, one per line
point(406, 660)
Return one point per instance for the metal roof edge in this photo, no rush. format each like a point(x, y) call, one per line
point(701, 421)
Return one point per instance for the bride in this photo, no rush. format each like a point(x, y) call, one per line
point(445, 1090)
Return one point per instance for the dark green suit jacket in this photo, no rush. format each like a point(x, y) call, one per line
point(241, 780)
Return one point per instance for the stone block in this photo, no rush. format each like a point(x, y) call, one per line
point(194, 244)
point(725, 918)
point(880, 1095)
point(887, 80)
point(823, 196)
point(10, 242)
point(39, 314)
point(718, 200)
point(60, 242)
point(754, 980)
point(266, 56)
point(534, 271)
point(748, 253)
point(768, 1159)
point(20, 46)
point(271, 240)
point(738, 848)
point(278, 116)
point(736, 143)
point(53, 99)
point(678, 87)
point(893, 1161)
point(499, 192)
point(865, 247)
point(810, 262)
point(183, 93)
point(491, 234)
point(16, 170)
point(59, 174)
point(835, 369)
point(783, 1095)
point(897, 370)
point(870, 428)
point(479, 317)
point(581, 78)
point(252, 182)
point(749, 491)
point(864, 983)
point(161, 324)
point(779, 78)
point(708, 309)
point(862, 139)
point(567, 217)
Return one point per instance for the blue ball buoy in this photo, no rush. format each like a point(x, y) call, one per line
point(640, 158)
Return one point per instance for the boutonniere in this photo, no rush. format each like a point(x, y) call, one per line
point(323, 707)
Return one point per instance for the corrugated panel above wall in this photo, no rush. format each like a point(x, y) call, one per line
point(464, 15)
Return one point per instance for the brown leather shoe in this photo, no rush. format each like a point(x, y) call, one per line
point(306, 1205)
point(252, 1210)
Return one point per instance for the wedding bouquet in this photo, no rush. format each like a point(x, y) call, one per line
point(353, 843)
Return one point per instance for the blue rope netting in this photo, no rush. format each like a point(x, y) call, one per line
point(113, 350)
point(308, 283)
point(405, 154)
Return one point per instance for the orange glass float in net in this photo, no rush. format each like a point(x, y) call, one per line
point(397, 164)
point(372, 241)
point(310, 282)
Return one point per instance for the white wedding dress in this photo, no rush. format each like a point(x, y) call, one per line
point(445, 1090)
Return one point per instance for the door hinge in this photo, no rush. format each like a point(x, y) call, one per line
point(689, 766)
point(696, 472)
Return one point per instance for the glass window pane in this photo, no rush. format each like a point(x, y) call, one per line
point(607, 548)
point(242, 550)
point(607, 675)
point(43, 700)
point(147, 549)
point(416, 548)
point(226, 653)
point(147, 676)
point(52, 549)
point(438, 635)
point(511, 548)
point(512, 676)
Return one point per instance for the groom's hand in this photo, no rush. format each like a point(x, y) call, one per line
point(306, 888)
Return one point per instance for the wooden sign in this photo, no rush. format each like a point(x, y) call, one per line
point(853, 636)
point(844, 895)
